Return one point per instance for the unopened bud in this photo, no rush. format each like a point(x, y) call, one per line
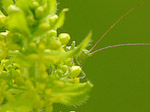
point(13, 8)
point(54, 44)
point(76, 80)
point(30, 20)
point(75, 71)
point(42, 46)
point(68, 62)
point(53, 19)
point(34, 4)
point(52, 33)
point(64, 38)
point(48, 92)
point(33, 57)
point(39, 12)
point(44, 26)
point(32, 46)
point(64, 68)
point(2, 21)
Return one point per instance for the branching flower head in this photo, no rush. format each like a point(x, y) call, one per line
point(37, 66)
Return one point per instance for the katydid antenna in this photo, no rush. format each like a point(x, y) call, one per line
point(111, 27)
point(119, 45)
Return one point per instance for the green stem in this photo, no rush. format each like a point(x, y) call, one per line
point(18, 88)
point(14, 1)
point(2, 8)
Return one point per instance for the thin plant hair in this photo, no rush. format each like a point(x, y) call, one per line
point(111, 27)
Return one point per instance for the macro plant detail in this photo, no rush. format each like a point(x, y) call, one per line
point(37, 66)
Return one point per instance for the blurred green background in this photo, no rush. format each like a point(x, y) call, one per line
point(121, 76)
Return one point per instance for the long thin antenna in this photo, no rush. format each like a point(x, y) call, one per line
point(119, 45)
point(111, 27)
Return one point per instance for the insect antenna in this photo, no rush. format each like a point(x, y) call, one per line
point(119, 45)
point(115, 23)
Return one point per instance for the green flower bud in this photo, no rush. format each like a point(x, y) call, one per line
point(13, 8)
point(41, 87)
point(39, 12)
point(19, 81)
point(75, 71)
point(30, 20)
point(36, 66)
point(5, 62)
point(59, 73)
point(41, 46)
point(68, 62)
point(34, 5)
point(52, 33)
point(2, 21)
point(29, 85)
point(77, 80)
point(17, 21)
point(9, 97)
point(64, 68)
point(54, 44)
point(37, 101)
point(32, 46)
point(3, 36)
point(14, 47)
point(48, 92)
point(53, 19)
point(64, 38)
point(44, 26)
point(1, 99)
point(59, 84)
point(33, 57)
point(50, 59)
point(3, 50)
point(44, 76)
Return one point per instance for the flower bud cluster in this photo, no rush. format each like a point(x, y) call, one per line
point(37, 67)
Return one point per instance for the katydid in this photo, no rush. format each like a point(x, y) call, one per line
point(82, 57)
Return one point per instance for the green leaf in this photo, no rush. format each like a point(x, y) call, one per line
point(24, 5)
point(78, 49)
point(7, 3)
point(17, 21)
point(60, 20)
point(19, 105)
point(2, 22)
point(64, 55)
point(2, 8)
point(72, 94)
point(51, 6)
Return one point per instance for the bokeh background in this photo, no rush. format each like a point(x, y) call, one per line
point(121, 76)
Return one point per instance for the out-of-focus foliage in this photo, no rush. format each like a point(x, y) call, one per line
point(37, 67)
